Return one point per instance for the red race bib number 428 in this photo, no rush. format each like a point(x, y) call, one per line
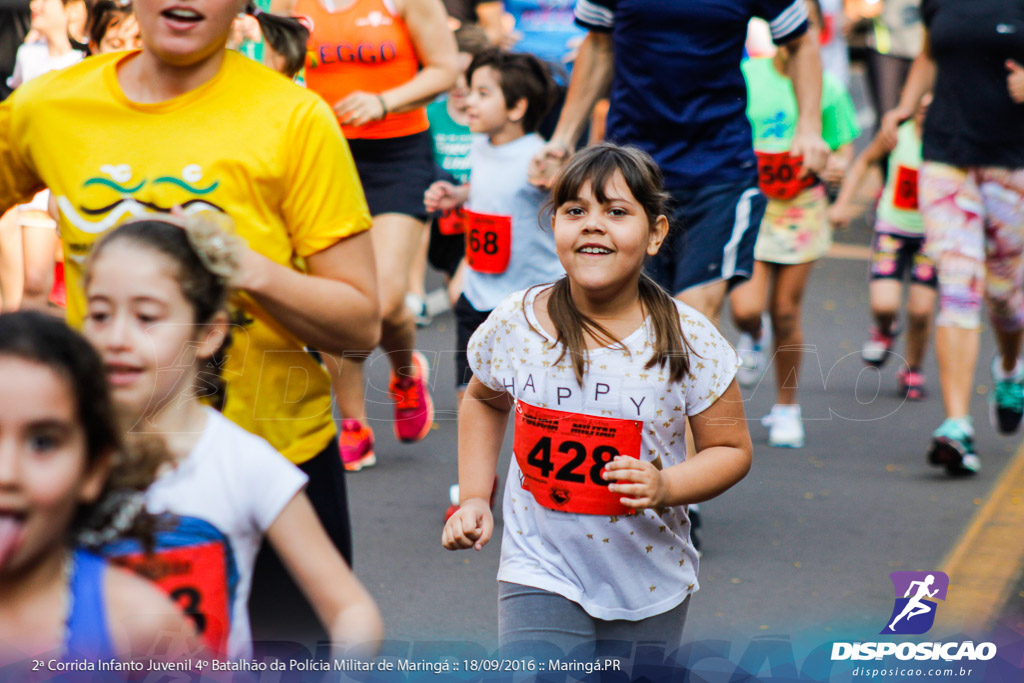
point(562, 456)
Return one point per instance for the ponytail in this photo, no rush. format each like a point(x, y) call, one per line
point(573, 326)
point(287, 36)
point(120, 511)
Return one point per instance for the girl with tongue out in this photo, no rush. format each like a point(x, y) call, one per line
point(60, 458)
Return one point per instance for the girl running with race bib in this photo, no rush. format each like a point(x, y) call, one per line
point(897, 251)
point(794, 232)
point(62, 461)
point(157, 292)
point(601, 370)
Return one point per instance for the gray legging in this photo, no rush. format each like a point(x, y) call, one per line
point(539, 623)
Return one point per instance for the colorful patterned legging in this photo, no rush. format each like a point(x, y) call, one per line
point(974, 230)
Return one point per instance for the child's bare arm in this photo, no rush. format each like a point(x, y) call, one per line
point(841, 210)
point(483, 417)
point(444, 196)
point(342, 603)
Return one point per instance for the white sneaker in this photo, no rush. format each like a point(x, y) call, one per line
point(752, 356)
point(785, 428)
point(418, 307)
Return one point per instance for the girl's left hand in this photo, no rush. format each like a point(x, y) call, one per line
point(641, 481)
point(360, 108)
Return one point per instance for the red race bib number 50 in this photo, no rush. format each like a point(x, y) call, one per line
point(488, 242)
point(778, 175)
point(562, 456)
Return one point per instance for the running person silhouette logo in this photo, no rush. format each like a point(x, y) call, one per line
point(914, 612)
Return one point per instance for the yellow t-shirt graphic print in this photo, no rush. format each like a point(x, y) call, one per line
point(248, 143)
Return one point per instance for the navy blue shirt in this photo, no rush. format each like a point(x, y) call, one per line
point(678, 91)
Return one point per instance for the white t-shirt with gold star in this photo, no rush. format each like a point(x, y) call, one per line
point(619, 567)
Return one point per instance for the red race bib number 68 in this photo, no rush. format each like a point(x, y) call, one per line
point(562, 456)
point(488, 242)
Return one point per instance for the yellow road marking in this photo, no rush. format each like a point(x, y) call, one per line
point(986, 561)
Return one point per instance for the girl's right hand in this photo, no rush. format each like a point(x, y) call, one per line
point(470, 527)
point(440, 197)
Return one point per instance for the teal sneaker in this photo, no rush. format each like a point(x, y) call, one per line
point(953, 447)
point(1006, 403)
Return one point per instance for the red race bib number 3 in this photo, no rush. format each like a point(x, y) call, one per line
point(778, 175)
point(452, 222)
point(195, 578)
point(563, 454)
point(905, 195)
point(488, 242)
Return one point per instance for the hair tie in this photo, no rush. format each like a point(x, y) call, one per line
point(114, 517)
point(307, 22)
point(257, 10)
point(212, 237)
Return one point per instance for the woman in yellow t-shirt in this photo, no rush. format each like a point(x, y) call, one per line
point(185, 123)
point(378, 63)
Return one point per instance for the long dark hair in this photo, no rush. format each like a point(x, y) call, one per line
point(287, 36)
point(597, 165)
point(44, 340)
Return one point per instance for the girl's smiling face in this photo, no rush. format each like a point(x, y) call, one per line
point(603, 241)
point(143, 327)
point(44, 469)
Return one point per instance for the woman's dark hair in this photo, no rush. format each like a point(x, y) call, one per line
point(287, 36)
point(102, 15)
point(522, 76)
point(44, 340)
point(597, 165)
point(205, 291)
